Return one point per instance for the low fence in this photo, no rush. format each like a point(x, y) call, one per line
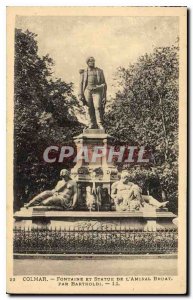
point(103, 240)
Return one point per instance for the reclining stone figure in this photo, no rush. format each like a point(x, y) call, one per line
point(128, 196)
point(64, 195)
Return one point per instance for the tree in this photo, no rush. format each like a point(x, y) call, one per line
point(145, 112)
point(43, 116)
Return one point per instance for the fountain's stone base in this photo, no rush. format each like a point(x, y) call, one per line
point(41, 217)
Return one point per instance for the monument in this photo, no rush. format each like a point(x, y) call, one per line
point(92, 92)
point(92, 192)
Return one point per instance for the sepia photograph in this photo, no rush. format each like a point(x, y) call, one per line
point(96, 122)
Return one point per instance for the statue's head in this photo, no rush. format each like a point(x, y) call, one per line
point(125, 176)
point(90, 61)
point(64, 173)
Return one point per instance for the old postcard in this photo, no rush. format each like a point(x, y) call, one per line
point(96, 143)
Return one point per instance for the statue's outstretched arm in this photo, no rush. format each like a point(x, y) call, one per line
point(59, 186)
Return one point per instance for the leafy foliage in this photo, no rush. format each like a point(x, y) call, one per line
point(145, 112)
point(43, 116)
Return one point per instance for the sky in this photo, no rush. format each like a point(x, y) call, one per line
point(113, 41)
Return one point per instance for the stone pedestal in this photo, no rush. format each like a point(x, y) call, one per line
point(104, 171)
point(96, 174)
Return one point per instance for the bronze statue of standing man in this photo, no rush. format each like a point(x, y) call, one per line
point(92, 92)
